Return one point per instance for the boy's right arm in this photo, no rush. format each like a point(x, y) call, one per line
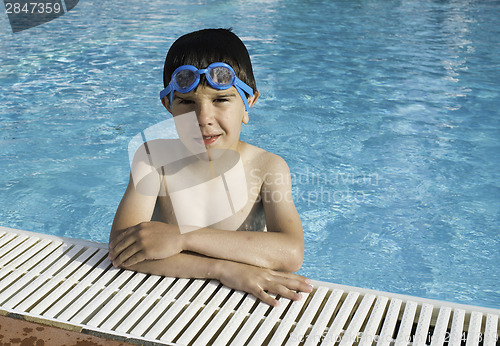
point(133, 209)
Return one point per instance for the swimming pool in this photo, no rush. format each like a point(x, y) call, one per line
point(386, 111)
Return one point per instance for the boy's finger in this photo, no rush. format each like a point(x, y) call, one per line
point(138, 257)
point(124, 234)
point(286, 289)
point(303, 287)
point(286, 292)
point(293, 284)
point(121, 246)
point(298, 277)
point(125, 255)
point(267, 298)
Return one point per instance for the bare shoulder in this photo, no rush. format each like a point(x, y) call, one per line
point(264, 161)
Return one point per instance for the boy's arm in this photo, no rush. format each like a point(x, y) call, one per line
point(260, 282)
point(281, 248)
point(133, 209)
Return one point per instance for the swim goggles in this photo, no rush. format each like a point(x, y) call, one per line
point(219, 75)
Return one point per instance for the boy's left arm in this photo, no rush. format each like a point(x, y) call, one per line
point(280, 248)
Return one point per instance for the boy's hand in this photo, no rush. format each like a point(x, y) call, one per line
point(145, 241)
point(260, 282)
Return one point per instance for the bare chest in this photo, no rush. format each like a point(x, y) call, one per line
point(228, 201)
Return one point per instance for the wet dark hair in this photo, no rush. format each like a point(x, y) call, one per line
point(203, 47)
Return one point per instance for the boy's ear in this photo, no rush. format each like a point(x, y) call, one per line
point(251, 102)
point(166, 103)
point(253, 99)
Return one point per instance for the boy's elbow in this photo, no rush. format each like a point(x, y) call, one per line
point(295, 259)
point(297, 262)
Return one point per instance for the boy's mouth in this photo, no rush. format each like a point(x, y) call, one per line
point(207, 140)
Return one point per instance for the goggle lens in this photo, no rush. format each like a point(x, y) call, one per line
point(185, 78)
point(222, 76)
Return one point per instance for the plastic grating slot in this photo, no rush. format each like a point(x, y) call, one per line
point(73, 282)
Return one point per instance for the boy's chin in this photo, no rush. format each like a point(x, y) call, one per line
point(212, 154)
point(226, 158)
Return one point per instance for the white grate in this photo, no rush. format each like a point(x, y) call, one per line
point(72, 282)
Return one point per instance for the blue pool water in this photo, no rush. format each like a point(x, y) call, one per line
point(386, 111)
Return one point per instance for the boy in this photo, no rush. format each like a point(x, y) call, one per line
point(208, 76)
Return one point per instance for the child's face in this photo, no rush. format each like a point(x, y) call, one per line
point(219, 114)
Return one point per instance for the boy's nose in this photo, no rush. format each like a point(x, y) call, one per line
point(205, 115)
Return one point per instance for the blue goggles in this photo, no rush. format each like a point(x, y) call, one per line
point(219, 75)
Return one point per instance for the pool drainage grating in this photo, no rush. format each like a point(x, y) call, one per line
point(71, 283)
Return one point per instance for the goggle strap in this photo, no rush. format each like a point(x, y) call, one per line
point(243, 96)
point(166, 91)
point(244, 86)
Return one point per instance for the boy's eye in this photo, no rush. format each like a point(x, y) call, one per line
point(221, 100)
point(185, 102)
